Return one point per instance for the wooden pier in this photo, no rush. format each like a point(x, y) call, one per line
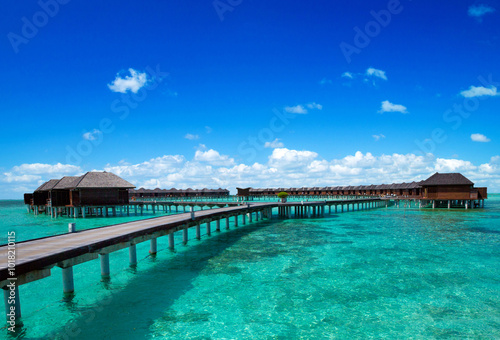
point(34, 259)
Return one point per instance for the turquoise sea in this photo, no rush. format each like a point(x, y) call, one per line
point(385, 273)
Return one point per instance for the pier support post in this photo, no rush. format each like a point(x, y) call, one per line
point(217, 225)
point(11, 293)
point(104, 265)
point(449, 204)
point(236, 220)
point(250, 217)
point(153, 246)
point(185, 235)
point(244, 217)
point(171, 244)
point(68, 283)
point(198, 231)
point(132, 255)
point(209, 231)
point(227, 223)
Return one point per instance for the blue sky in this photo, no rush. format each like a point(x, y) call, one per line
point(249, 93)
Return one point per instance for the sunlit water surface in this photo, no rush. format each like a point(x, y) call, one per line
point(385, 273)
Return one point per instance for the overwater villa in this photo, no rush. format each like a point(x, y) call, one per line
point(449, 189)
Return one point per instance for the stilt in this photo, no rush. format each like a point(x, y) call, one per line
point(227, 223)
point(67, 276)
point(217, 225)
point(104, 265)
point(185, 235)
point(132, 255)
point(153, 246)
point(236, 220)
point(198, 231)
point(209, 232)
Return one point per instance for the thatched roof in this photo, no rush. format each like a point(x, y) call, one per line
point(47, 186)
point(67, 182)
point(96, 180)
point(446, 179)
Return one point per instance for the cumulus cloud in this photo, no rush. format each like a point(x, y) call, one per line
point(348, 75)
point(478, 11)
point(301, 109)
point(298, 109)
point(315, 106)
point(274, 144)
point(378, 137)
point(283, 168)
point(477, 137)
point(92, 135)
point(390, 107)
point(191, 136)
point(479, 91)
point(373, 72)
point(290, 158)
point(133, 82)
point(213, 157)
point(27, 177)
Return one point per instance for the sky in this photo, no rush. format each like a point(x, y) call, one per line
point(240, 93)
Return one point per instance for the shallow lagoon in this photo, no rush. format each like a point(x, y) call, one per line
point(384, 273)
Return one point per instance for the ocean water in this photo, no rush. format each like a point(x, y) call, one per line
point(384, 273)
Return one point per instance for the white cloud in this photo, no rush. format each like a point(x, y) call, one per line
point(477, 137)
point(373, 72)
point(274, 144)
point(132, 82)
point(478, 91)
point(153, 167)
point(284, 168)
point(298, 109)
point(347, 75)
point(27, 177)
point(390, 107)
point(477, 11)
point(213, 157)
point(92, 135)
point(453, 165)
point(315, 106)
point(283, 157)
point(378, 137)
point(191, 136)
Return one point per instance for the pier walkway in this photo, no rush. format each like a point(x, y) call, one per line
point(34, 259)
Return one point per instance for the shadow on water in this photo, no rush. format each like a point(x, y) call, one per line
point(129, 312)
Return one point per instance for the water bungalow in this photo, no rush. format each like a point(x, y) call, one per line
point(177, 193)
point(91, 189)
point(446, 189)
